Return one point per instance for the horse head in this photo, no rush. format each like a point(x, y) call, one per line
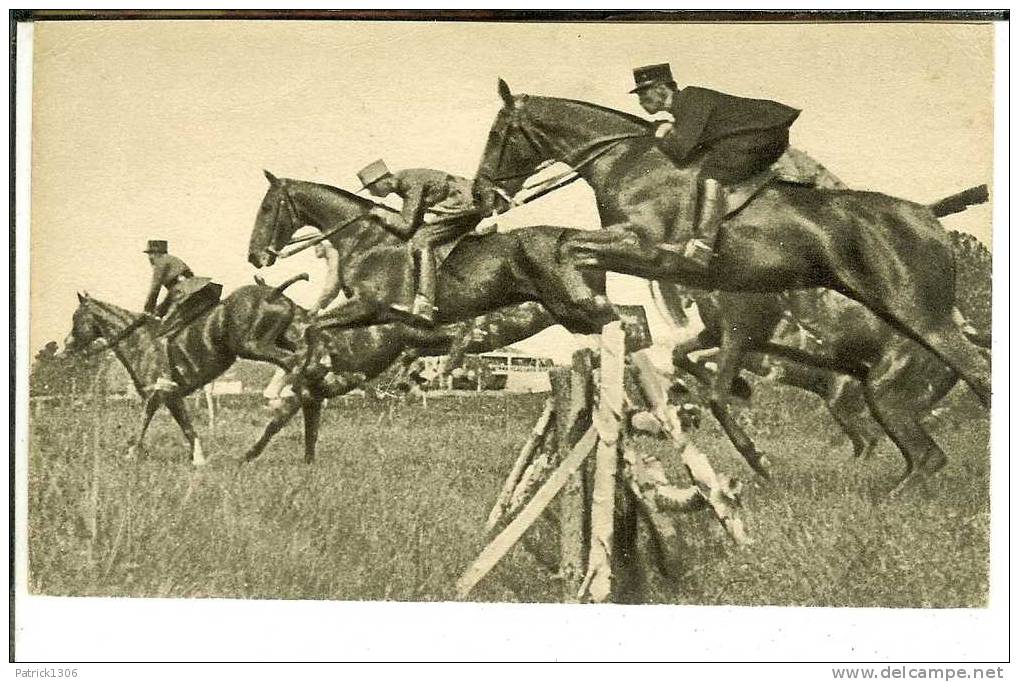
point(275, 224)
point(507, 160)
point(531, 130)
point(85, 328)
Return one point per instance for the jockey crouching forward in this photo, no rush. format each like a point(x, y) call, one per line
point(732, 138)
point(422, 190)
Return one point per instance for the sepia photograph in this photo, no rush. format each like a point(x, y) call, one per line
point(654, 312)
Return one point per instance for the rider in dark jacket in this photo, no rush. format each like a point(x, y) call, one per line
point(732, 138)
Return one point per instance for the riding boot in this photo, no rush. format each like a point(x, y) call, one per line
point(701, 249)
point(408, 307)
point(424, 302)
point(164, 381)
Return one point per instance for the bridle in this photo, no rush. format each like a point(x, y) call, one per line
point(285, 202)
point(576, 159)
point(131, 327)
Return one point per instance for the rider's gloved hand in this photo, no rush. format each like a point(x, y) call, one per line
point(663, 129)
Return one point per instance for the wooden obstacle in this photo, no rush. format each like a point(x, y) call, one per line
point(601, 502)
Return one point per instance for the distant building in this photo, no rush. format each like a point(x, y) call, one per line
point(506, 369)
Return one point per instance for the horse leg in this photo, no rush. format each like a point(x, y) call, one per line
point(312, 410)
point(894, 405)
point(281, 415)
point(183, 418)
point(940, 336)
point(152, 404)
point(848, 406)
point(733, 348)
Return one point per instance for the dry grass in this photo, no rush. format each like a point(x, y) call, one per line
point(394, 508)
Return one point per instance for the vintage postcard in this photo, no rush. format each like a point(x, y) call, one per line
point(348, 310)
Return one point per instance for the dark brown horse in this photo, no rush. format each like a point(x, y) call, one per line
point(891, 255)
point(480, 275)
point(835, 335)
point(359, 354)
point(253, 322)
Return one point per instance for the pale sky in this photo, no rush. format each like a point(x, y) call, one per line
point(161, 129)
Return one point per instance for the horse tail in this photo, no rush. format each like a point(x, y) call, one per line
point(957, 203)
point(973, 267)
point(280, 288)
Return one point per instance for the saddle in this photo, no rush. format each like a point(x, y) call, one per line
point(194, 297)
point(793, 167)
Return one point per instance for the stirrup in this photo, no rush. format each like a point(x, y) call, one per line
point(699, 252)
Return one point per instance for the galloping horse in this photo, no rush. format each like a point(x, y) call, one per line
point(253, 323)
point(479, 275)
point(833, 334)
point(359, 354)
point(891, 255)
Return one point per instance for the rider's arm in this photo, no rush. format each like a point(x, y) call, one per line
point(154, 287)
point(333, 284)
point(691, 112)
point(413, 211)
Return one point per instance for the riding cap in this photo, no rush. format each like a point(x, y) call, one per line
point(156, 246)
point(646, 76)
point(373, 172)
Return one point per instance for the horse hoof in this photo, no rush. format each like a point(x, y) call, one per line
point(762, 467)
point(132, 453)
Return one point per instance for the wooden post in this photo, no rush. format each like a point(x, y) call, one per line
point(523, 459)
point(598, 582)
point(502, 543)
point(572, 390)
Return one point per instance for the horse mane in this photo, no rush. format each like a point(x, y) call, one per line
point(633, 119)
point(123, 315)
point(363, 202)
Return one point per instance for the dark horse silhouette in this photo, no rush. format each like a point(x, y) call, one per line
point(253, 322)
point(359, 354)
point(480, 274)
point(890, 255)
point(834, 334)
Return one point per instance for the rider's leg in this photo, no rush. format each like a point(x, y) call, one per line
point(424, 302)
point(406, 305)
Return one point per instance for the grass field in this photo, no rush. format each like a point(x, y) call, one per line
point(395, 505)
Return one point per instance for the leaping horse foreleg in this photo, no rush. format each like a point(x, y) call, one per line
point(312, 410)
point(280, 416)
point(152, 403)
point(722, 496)
point(183, 418)
point(730, 357)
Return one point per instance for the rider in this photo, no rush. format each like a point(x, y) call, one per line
point(422, 189)
point(733, 137)
point(277, 388)
point(171, 273)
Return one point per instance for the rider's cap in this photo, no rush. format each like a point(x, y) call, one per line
point(373, 172)
point(646, 76)
point(156, 246)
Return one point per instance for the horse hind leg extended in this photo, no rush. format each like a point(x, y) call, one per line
point(909, 309)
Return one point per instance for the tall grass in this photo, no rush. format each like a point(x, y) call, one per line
point(394, 507)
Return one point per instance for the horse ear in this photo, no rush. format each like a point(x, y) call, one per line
point(504, 92)
point(271, 178)
point(81, 299)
